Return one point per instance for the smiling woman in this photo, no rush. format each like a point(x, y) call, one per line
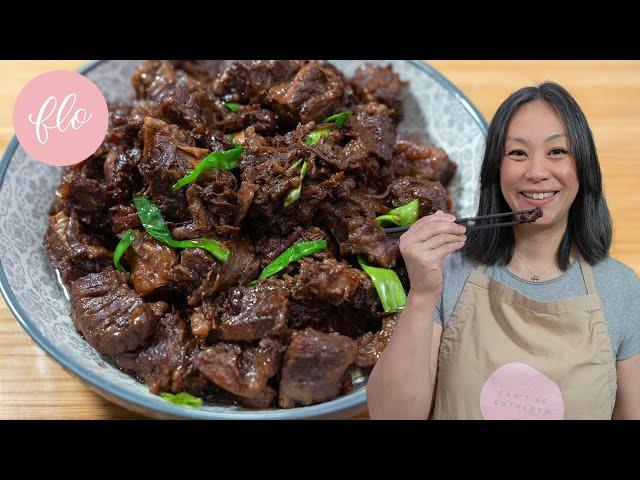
point(538, 312)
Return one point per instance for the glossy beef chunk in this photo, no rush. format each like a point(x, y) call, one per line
point(205, 71)
point(167, 156)
point(267, 170)
point(431, 195)
point(531, 216)
point(314, 367)
point(371, 344)
point(249, 81)
point(250, 313)
point(213, 206)
point(83, 192)
point(195, 266)
point(373, 127)
point(71, 250)
point(243, 371)
point(328, 280)
point(151, 263)
point(121, 174)
point(263, 121)
point(351, 220)
point(241, 267)
point(112, 317)
point(166, 364)
point(317, 91)
point(374, 83)
point(175, 97)
point(412, 158)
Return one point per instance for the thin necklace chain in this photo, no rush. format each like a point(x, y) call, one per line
point(534, 277)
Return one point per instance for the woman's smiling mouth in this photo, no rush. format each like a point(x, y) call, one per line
point(538, 198)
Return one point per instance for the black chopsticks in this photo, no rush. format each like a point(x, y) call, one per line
point(473, 219)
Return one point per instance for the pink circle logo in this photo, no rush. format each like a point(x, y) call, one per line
point(60, 118)
point(517, 391)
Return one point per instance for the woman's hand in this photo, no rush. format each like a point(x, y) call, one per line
point(424, 247)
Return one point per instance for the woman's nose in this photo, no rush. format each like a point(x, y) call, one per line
point(537, 169)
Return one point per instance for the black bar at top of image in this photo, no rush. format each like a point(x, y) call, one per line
point(321, 32)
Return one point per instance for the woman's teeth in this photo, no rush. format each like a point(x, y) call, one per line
point(538, 195)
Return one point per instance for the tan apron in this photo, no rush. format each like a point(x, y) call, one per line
point(505, 356)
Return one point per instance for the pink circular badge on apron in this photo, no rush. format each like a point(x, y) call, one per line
point(60, 118)
point(517, 391)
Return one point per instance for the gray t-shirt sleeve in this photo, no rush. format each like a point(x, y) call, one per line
point(456, 271)
point(630, 321)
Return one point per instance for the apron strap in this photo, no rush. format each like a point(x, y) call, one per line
point(477, 276)
point(587, 273)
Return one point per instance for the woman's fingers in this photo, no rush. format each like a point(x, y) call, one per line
point(425, 230)
point(432, 248)
point(441, 239)
point(444, 250)
point(424, 247)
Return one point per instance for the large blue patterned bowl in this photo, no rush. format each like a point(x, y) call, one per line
point(435, 110)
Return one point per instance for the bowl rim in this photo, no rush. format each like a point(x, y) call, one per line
point(146, 403)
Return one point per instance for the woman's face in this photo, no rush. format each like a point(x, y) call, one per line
point(538, 168)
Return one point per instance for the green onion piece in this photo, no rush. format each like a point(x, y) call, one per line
point(292, 254)
point(313, 137)
point(339, 119)
point(232, 106)
point(155, 226)
point(294, 194)
point(182, 398)
point(388, 285)
point(226, 160)
point(402, 216)
point(295, 165)
point(124, 243)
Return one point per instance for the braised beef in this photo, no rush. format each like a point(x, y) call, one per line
point(194, 268)
point(250, 313)
point(167, 363)
point(111, 316)
point(250, 80)
point(124, 217)
point(431, 195)
point(151, 264)
point(314, 367)
point(317, 91)
point(329, 280)
point(373, 126)
point(264, 121)
point(72, 251)
point(374, 83)
point(241, 267)
point(532, 216)
point(181, 320)
point(241, 371)
point(415, 159)
point(371, 344)
point(351, 220)
point(176, 97)
point(120, 174)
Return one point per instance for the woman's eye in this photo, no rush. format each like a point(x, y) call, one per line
point(558, 151)
point(516, 153)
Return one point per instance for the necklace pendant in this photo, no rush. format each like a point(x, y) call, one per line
point(535, 278)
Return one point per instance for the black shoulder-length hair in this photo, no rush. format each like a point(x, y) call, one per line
point(589, 225)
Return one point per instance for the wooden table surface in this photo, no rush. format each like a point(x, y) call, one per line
point(34, 387)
